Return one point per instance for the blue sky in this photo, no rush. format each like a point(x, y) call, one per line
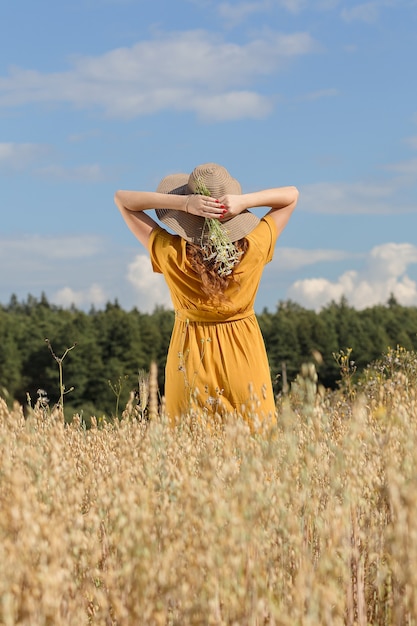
point(98, 95)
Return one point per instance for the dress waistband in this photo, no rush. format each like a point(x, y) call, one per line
point(210, 317)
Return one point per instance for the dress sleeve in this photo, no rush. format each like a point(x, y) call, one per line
point(166, 251)
point(265, 237)
point(157, 250)
point(273, 234)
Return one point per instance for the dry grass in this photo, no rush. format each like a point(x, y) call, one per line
point(314, 523)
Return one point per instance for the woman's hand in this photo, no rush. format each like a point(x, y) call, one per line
point(222, 208)
point(204, 206)
point(232, 205)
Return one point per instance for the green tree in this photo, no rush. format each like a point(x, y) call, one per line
point(10, 357)
point(282, 345)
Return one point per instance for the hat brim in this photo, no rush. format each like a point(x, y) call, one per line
point(190, 227)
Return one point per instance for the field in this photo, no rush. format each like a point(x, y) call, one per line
point(135, 522)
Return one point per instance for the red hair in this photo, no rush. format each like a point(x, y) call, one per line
point(212, 285)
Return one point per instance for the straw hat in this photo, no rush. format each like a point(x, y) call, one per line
point(219, 182)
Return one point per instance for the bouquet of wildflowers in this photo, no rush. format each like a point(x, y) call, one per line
point(215, 243)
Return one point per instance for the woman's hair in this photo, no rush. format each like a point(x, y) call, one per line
point(212, 285)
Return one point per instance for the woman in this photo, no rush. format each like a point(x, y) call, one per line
point(213, 264)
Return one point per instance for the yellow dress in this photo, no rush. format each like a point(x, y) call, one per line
point(216, 361)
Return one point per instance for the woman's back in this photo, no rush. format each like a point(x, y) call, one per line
point(169, 257)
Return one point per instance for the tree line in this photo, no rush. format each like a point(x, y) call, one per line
point(105, 350)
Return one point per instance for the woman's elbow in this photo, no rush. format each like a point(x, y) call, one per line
point(118, 200)
point(293, 197)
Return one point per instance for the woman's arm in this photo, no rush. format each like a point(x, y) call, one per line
point(132, 205)
point(281, 200)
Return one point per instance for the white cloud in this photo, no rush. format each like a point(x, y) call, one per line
point(83, 173)
point(412, 141)
point(151, 288)
point(321, 93)
point(185, 71)
point(233, 105)
point(327, 5)
point(93, 296)
point(29, 249)
point(366, 12)
point(235, 13)
point(383, 274)
point(376, 198)
point(295, 258)
point(84, 136)
point(404, 168)
point(294, 6)
point(369, 11)
point(392, 259)
point(16, 156)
